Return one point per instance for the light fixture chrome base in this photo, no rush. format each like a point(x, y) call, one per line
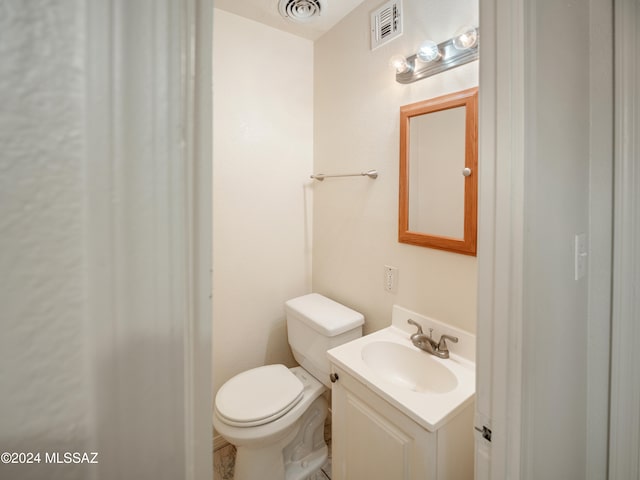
point(451, 57)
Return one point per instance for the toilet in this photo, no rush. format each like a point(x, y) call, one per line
point(275, 415)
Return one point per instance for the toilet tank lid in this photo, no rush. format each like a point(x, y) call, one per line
point(328, 317)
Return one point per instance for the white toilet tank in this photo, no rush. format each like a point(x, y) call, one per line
point(316, 324)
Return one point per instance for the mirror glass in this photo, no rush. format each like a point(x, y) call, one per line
point(438, 182)
point(436, 160)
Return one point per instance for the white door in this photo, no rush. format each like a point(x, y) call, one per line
point(509, 361)
point(510, 58)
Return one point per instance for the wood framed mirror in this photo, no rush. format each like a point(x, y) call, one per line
point(438, 172)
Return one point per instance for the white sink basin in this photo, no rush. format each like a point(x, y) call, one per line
point(408, 368)
point(427, 389)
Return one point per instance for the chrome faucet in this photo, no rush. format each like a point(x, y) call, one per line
point(428, 344)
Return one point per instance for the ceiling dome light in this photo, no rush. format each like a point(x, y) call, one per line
point(465, 38)
point(428, 51)
point(399, 64)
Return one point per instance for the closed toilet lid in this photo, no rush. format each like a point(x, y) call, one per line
point(258, 396)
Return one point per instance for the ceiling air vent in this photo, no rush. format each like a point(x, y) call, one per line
point(386, 23)
point(301, 11)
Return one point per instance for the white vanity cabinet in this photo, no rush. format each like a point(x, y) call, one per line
point(373, 440)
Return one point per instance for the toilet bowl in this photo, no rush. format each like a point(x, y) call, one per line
point(275, 415)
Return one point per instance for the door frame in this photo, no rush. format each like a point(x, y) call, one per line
point(148, 216)
point(624, 439)
point(500, 238)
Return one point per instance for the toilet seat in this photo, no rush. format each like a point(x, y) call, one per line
point(258, 396)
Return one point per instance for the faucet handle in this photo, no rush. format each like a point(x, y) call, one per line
point(442, 344)
point(415, 324)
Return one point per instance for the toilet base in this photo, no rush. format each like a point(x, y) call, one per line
point(294, 457)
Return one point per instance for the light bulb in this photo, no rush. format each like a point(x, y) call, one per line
point(399, 64)
point(467, 37)
point(428, 51)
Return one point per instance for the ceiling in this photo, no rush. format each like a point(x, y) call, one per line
point(266, 12)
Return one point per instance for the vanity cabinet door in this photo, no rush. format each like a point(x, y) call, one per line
point(371, 440)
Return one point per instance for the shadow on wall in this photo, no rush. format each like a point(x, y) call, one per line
point(277, 347)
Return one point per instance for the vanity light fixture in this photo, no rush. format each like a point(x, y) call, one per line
point(428, 51)
point(466, 37)
point(399, 64)
point(432, 58)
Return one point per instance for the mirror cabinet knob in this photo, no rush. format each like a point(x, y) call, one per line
point(466, 171)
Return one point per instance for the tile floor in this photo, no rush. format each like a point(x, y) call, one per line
point(224, 459)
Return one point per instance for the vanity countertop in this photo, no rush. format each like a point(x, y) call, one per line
point(430, 408)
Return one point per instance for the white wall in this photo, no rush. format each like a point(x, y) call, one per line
point(356, 124)
point(45, 390)
point(263, 140)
